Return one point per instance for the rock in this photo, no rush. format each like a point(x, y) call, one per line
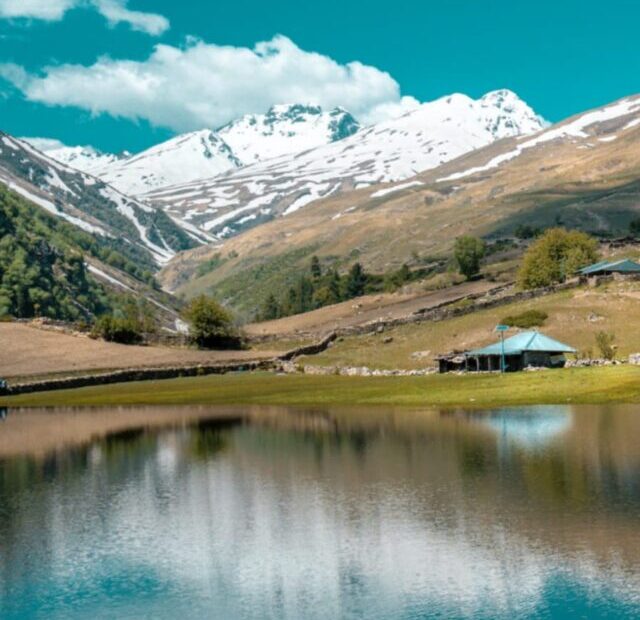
point(387, 340)
point(634, 358)
point(419, 355)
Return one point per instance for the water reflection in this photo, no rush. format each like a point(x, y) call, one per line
point(279, 513)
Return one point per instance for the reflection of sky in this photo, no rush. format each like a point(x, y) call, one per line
point(531, 428)
point(246, 535)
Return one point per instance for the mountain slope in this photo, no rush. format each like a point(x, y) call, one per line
point(197, 155)
point(51, 268)
point(143, 233)
point(583, 173)
point(395, 150)
point(83, 158)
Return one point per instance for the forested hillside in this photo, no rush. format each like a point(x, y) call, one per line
point(42, 266)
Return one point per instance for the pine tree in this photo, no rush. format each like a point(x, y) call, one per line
point(356, 281)
point(316, 269)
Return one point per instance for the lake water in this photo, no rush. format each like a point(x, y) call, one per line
point(281, 513)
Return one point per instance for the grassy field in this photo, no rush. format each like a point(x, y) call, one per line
point(575, 316)
point(613, 384)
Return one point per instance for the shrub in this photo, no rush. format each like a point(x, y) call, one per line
point(211, 326)
point(604, 342)
point(526, 320)
point(468, 252)
point(116, 329)
point(556, 255)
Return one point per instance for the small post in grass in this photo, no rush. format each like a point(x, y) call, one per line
point(502, 329)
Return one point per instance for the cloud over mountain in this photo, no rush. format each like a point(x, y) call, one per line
point(206, 85)
point(114, 11)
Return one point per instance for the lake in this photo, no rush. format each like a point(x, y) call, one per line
point(270, 512)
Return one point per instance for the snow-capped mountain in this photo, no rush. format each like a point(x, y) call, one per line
point(196, 155)
point(286, 129)
point(425, 138)
point(83, 158)
point(137, 229)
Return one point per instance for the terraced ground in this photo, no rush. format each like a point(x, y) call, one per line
point(27, 352)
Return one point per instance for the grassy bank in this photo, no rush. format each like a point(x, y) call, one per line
point(574, 317)
point(619, 384)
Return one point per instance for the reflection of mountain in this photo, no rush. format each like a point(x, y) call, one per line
point(535, 428)
point(381, 515)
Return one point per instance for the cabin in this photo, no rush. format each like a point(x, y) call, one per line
point(526, 349)
point(620, 270)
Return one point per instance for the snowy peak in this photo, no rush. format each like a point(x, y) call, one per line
point(507, 115)
point(189, 157)
point(286, 129)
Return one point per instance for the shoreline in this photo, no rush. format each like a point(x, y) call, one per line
point(594, 385)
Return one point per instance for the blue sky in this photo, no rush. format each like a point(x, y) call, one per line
point(124, 75)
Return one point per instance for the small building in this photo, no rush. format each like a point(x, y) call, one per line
point(530, 348)
point(623, 268)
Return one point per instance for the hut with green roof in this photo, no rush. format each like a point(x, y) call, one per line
point(526, 349)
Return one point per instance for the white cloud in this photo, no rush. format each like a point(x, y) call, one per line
point(45, 144)
point(114, 11)
point(206, 85)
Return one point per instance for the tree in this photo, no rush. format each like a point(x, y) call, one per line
point(556, 255)
point(210, 325)
point(316, 269)
point(270, 309)
point(634, 227)
point(356, 281)
point(468, 252)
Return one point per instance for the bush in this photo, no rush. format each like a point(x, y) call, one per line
point(210, 325)
point(526, 320)
point(115, 329)
point(556, 255)
point(604, 342)
point(468, 252)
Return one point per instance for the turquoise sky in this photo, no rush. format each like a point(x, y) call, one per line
point(562, 57)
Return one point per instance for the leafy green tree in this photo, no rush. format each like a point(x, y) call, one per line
point(210, 325)
point(356, 281)
point(555, 256)
point(469, 252)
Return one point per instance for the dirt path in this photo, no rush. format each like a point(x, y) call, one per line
point(27, 351)
point(364, 310)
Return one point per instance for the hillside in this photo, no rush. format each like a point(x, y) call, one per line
point(51, 268)
point(574, 317)
point(142, 233)
point(583, 173)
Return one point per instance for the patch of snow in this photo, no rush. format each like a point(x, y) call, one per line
point(390, 190)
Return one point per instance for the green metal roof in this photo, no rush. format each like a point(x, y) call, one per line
point(524, 341)
point(620, 266)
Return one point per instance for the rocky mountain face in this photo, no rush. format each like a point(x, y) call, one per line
point(141, 232)
point(425, 138)
point(581, 173)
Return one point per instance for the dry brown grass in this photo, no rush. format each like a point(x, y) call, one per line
point(27, 351)
point(364, 310)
